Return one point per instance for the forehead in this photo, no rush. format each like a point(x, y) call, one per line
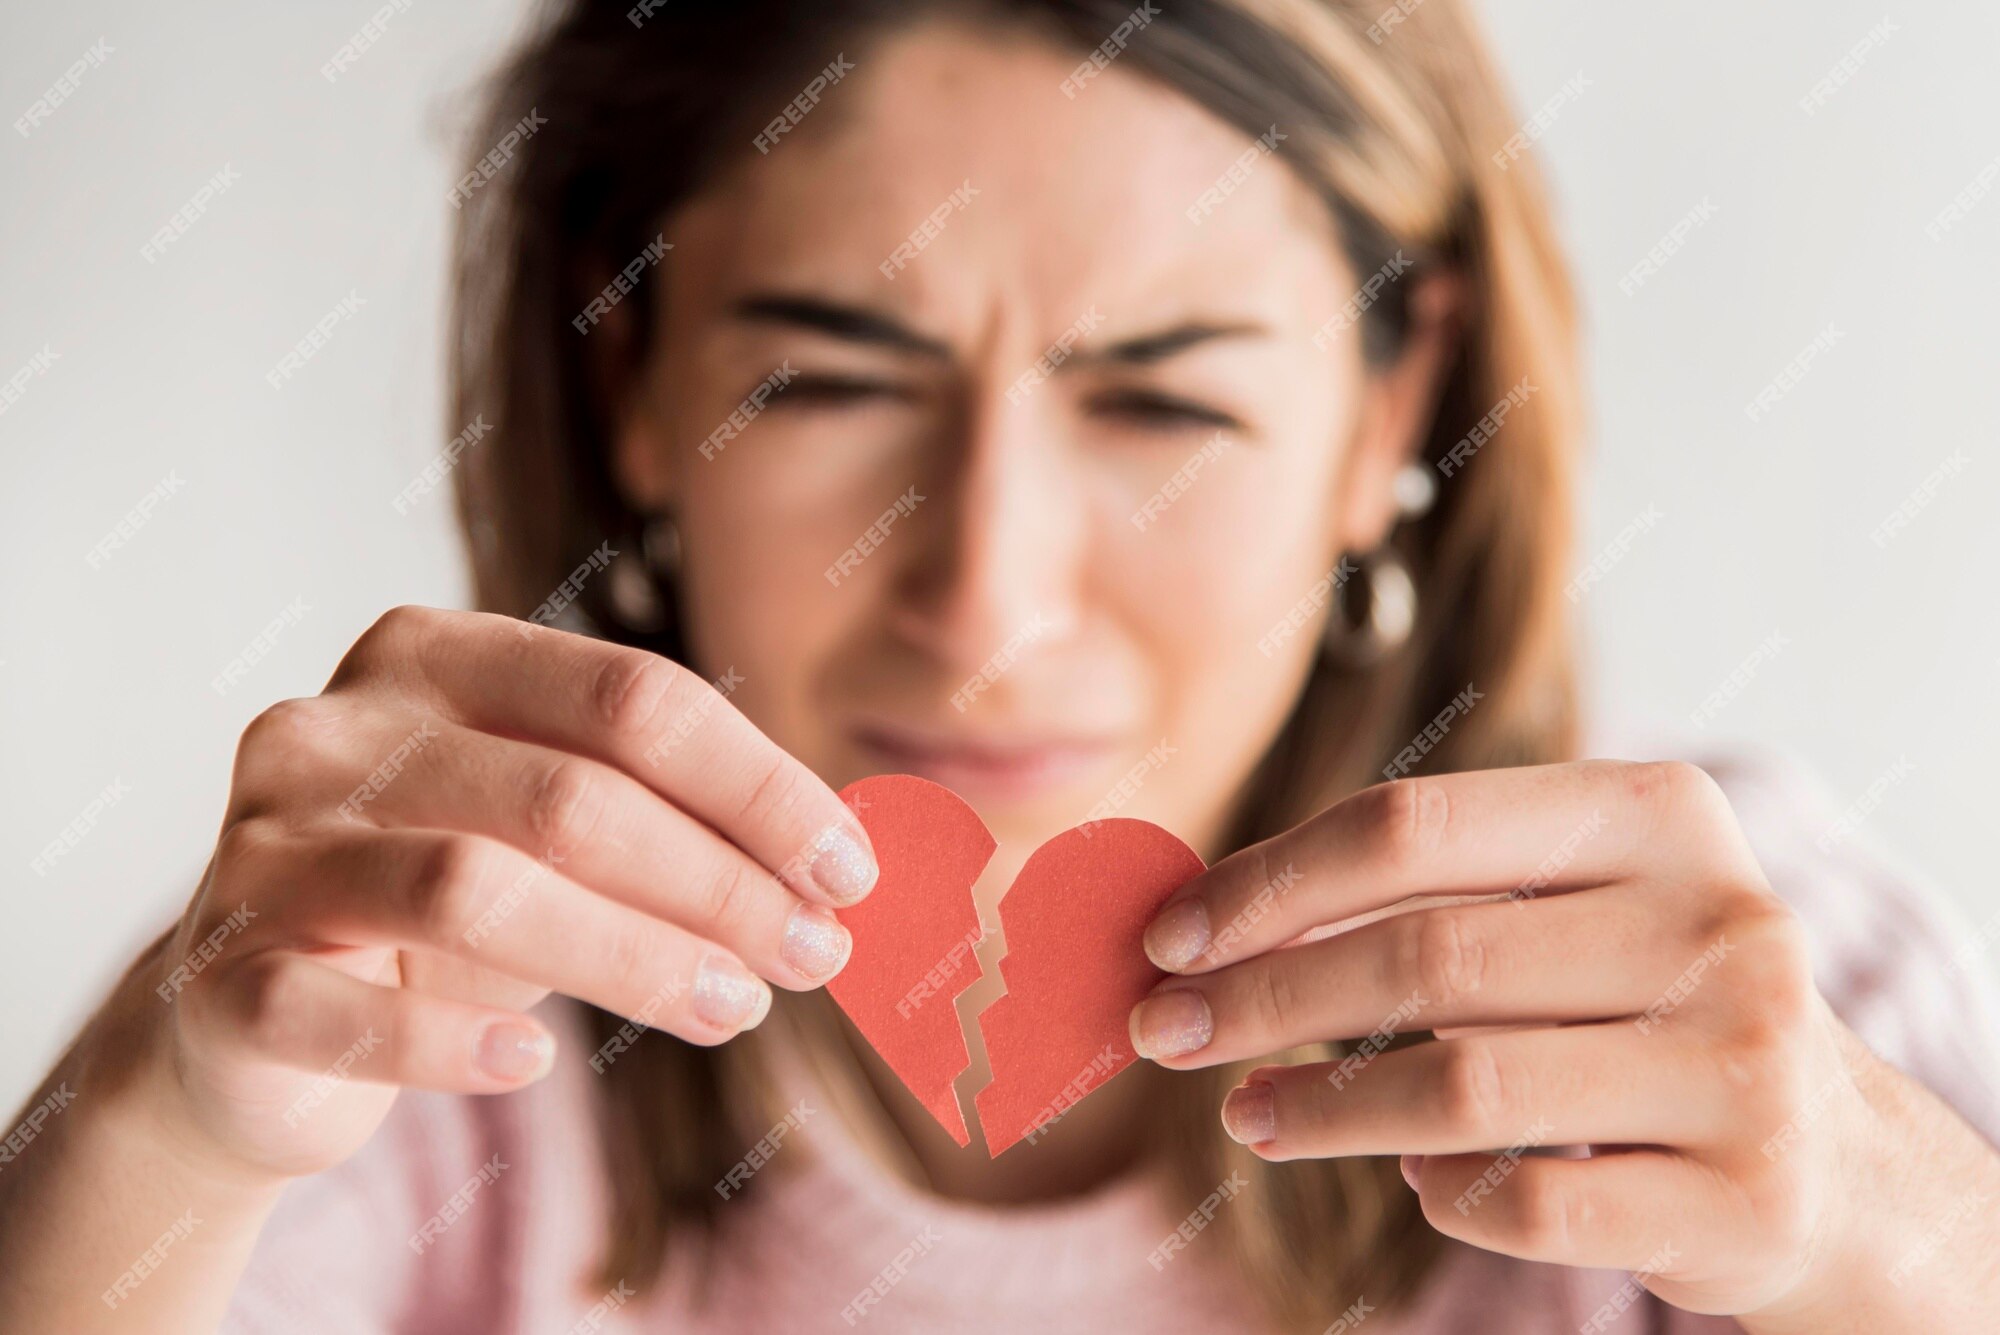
point(952, 155)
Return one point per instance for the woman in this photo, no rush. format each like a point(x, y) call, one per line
point(1163, 410)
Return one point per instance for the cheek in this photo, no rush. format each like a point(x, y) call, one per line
point(759, 537)
point(1225, 545)
point(1209, 576)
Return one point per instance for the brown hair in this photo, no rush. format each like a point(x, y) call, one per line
point(1397, 127)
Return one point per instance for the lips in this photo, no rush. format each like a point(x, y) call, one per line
point(993, 762)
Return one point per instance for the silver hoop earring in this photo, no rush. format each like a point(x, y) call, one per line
point(1373, 612)
point(660, 541)
point(636, 584)
point(1357, 636)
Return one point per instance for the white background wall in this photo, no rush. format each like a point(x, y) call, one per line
point(285, 494)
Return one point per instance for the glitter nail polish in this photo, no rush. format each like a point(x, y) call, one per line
point(1250, 1113)
point(729, 996)
point(514, 1051)
point(842, 865)
point(815, 943)
point(1177, 937)
point(1172, 1024)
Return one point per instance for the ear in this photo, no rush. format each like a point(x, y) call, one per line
point(641, 453)
point(628, 379)
point(1398, 403)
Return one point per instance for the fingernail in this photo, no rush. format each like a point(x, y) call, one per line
point(1411, 1164)
point(843, 865)
point(1177, 936)
point(815, 945)
point(511, 1051)
point(1250, 1113)
point(729, 996)
point(1170, 1024)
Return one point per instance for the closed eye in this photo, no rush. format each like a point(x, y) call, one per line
point(836, 391)
point(1148, 410)
point(1152, 410)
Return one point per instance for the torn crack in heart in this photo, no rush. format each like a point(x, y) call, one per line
point(930, 847)
point(1075, 966)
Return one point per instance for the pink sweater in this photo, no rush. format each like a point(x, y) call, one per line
point(515, 1254)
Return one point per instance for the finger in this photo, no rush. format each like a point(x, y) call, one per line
point(299, 1013)
point(1581, 1085)
point(639, 712)
point(609, 832)
point(1640, 1210)
point(477, 899)
point(1519, 832)
point(1576, 957)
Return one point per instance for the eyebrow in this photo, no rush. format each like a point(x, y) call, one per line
point(1146, 349)
point(857, 324)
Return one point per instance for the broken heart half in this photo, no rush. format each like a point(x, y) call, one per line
point(1075, 966)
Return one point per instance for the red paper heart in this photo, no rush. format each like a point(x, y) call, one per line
point(930, 847)
point(1074, 967)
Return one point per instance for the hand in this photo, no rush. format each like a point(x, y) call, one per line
point(1640, 991)
point(475, 813)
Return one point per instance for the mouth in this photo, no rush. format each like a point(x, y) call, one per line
point(1013, 763)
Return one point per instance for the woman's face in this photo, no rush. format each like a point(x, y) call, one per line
point(1041, 460)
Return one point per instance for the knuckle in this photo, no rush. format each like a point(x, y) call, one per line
point(1781, 1200)
point(1276, 1004)
point(243, 842)
point(1257, 862)
point(270, 1013)
point(408, 616)
point(1546, 1216)
point(1724, 913)
point(1646, 780)
point(1449, 959)
point(737, 898)
point(390, 638)
point(1773, 1010)
point(1472, 1094)
point(1759, 1043)
point(449, 887)
point(566, 806)
point(631, 952)
point(270, 749)
point(780, 790)
point(1773, 929)
point(402, 624)
point(283, 727)
point(1233, 913)
point(1777, 978)
point(1404, 821)
point(1768, 1070)
point(1765, 1088)
point(632, 689)
point(1681, 784)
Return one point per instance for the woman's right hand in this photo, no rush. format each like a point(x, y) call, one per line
point(477, 812)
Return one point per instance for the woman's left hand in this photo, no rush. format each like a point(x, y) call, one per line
point(1641, 991)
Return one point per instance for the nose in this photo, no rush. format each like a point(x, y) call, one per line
point(1006, 546)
